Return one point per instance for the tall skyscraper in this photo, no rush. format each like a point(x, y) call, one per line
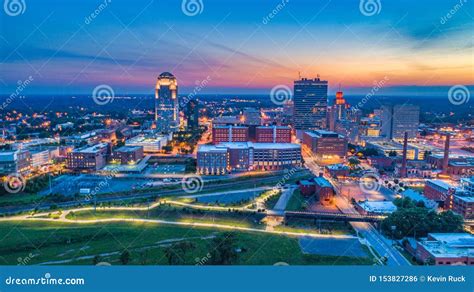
point(398, 119)
point(192, 115)
point(337, 112)
point(166, 103)
point(310, 97)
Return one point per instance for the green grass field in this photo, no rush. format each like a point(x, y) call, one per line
point(270, 202)
point(170, 213)
point(40, 242)
point(296, 202)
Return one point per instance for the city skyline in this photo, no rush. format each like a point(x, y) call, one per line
point(289, 133)
point(237, 50)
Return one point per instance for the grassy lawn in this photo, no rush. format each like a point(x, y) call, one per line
point(270, 202)
point(41, 242)
point(296, 202)
point(19, 199)
point(310, 225)
point(166, 212)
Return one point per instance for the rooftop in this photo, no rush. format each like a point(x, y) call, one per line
point(338, 166)
point(440, 183)
point(271, 127)
point(322, 133)
point(449, 245)
point(91, 149)
point(246, 145)
point(322, 182)
point(145, 139)
point(128, 148)
point(7, 155)
point(378, 206)
point(467, 199)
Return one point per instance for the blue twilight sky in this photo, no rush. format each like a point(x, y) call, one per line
point(420, 47)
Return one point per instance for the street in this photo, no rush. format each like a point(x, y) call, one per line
point(371, 235)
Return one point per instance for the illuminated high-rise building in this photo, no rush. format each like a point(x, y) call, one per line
point(340, 106)
point(166, 103)
point(398, 119)
point(310, 99)
point(337, 112)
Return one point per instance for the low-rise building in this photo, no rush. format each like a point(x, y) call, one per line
point(15, 161)
point(89, 158)
point(457, 164)
point(40, 157)
point(212, 160)
point(324, 190)
point(307, 187)
point(464, 206)
point(375, 207)
point(438, 190)
point(223, 134)
point(273, 134)
point(128, 154)
point(245, 156)
point(446, 249)
point(381, 162)
point(150, 144)
point(337, 170)
point(326, 146)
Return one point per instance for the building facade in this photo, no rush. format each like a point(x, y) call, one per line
point(326, 145)
point(166, 103)
point(17, 161)
point(128, 154)
point(443, 249)
point(398, 119)
point(273, 134)
point(310, 101)
point(246, 156)
point(222, 134)
point(192, 115)
point(89, 158)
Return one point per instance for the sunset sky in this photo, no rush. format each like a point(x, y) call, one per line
point(236, 46)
